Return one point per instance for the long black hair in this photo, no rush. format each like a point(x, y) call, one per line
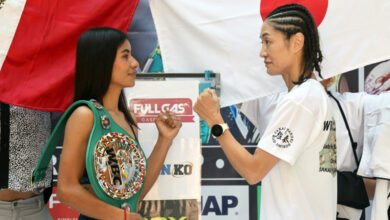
point(291, 19)
point(95, 56)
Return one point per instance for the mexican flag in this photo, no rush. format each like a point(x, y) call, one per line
point(38, 41)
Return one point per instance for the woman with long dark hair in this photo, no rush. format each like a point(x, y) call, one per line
point(296, 155)
point(104, 66)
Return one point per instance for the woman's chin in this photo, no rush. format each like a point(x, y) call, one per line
point(129, 84)
point(272, 73)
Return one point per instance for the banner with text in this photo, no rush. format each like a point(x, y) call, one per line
point(178, 186)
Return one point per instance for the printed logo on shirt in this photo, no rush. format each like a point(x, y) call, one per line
point(328, 154)
point(283, 137)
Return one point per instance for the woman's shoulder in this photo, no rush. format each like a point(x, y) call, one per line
point(79, 125)
point(310, 97)
point(308, 93)
point(83, 110)
point(82, 115)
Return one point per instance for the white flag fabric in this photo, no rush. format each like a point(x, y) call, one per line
point(223, 36)
point(10, 14)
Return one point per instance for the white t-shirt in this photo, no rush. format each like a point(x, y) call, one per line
point(352, 105)
point(375, 160)
point(259, 111)
point(303, 184)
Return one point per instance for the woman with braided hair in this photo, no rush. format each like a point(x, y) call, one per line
point(296, 155)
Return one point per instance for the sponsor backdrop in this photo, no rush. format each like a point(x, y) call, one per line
point(221, 202)
point(177, 191)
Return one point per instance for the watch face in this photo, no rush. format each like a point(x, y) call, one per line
point(217, 130)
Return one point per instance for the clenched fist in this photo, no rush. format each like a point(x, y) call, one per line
point(168, 125)
point(207, 107)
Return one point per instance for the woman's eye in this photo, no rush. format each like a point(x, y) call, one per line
point(126, 56)
point(266, 42)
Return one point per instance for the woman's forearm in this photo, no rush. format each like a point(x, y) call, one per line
point(241, 160)
point(155, 163)
point(252, 167)
point(84, 202)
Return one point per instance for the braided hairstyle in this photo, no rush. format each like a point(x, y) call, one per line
point(291, 19)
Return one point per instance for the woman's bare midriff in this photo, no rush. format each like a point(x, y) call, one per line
point(9, 195)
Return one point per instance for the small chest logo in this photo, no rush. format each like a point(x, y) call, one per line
point(283, 137)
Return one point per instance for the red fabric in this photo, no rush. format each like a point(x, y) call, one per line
point(38, 72)
point(317, 8)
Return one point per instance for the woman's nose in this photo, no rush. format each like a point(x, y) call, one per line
point(263, 53)
point(133, 63)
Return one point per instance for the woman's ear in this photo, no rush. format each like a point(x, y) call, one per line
point(297, 41)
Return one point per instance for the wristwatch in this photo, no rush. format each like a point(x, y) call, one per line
point(218, 129)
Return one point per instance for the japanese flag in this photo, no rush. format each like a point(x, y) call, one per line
point(223, 36)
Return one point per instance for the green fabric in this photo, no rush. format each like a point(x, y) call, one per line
point(97, 132)
point(157, 65)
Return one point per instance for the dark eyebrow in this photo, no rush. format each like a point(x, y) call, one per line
point(264, 35)
point(125, 51)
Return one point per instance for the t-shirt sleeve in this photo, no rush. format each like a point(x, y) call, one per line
point(290, 131)
point(260, 111)
point(250, 109)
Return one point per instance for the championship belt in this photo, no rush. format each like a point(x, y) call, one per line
point(115, 163)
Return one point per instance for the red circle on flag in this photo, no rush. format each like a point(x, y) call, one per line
point(317, 8)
